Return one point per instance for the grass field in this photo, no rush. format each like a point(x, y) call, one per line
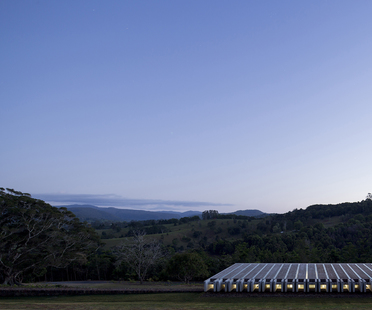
point(120, 285)
point(184, 301)
point(182, 231)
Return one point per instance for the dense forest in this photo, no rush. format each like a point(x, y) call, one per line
point(41, 243)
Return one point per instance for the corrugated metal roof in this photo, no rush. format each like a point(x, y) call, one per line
point(293, 277)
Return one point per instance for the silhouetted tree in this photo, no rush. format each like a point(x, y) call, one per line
point(208, 215)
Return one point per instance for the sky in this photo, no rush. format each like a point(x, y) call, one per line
point(187, 105)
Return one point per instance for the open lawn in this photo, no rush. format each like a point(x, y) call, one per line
point(185, 301)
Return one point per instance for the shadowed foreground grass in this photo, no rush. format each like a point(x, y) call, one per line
point(121, 285)
point(182, 301)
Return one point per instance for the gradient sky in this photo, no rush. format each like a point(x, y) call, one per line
point(187, 105)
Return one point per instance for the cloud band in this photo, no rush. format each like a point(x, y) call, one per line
point(110, 200)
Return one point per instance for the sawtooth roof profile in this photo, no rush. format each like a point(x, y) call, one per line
point(293, 278)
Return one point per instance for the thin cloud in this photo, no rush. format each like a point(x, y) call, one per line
point(110, 200)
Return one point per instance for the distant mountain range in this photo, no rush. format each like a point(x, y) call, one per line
point(92, 213)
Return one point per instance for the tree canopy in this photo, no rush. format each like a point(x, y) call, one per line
point(35, 235)
point(187, 266)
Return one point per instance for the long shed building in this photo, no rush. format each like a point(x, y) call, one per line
point(292, 278)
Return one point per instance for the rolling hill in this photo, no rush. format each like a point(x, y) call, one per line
point(92, 213)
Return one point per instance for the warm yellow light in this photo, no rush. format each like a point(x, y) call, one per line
point(356, 286)
point(234, 286)
point(312, 286)
point(289, 286)
point(223, 286)
point(267, 286)
point(245, 286)
point(323, 286)
point(210, 286)
point(301, 286)
point(346, 287)
point(278, 286)
point(368, 287)
point(334, 286)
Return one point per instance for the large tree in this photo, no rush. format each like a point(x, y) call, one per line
point(187, 266)
point(209, 214)
point(139, 253)
point(35, 235)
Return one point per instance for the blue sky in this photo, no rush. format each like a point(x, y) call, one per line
point(185, 105)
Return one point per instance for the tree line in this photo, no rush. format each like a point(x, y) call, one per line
point(34, 235)
point(39, 242)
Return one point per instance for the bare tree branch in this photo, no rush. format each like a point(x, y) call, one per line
point(139, 253)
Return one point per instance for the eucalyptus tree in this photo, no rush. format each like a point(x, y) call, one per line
point(34, 235)
point(139, 253)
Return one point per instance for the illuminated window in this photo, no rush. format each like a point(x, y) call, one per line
point(368, 287)
point(267, 286)
point(312, 286)
point(245, 286)
point(210, 286)
point(324, 286)
point(234, 286)
point(346, 287)
point(334, 286)
point(278, 287)
point(222, 286)
point(290, 286)
point(301, 286)
point(255, 287)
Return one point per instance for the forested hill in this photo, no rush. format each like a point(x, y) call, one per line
point(320, 233)
point(328, 215)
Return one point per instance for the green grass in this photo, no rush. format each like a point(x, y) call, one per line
point(120, 285)
point(184, 301)
point(186, 230)
point(332, 221)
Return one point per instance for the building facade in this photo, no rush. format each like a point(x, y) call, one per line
point(295, 278)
